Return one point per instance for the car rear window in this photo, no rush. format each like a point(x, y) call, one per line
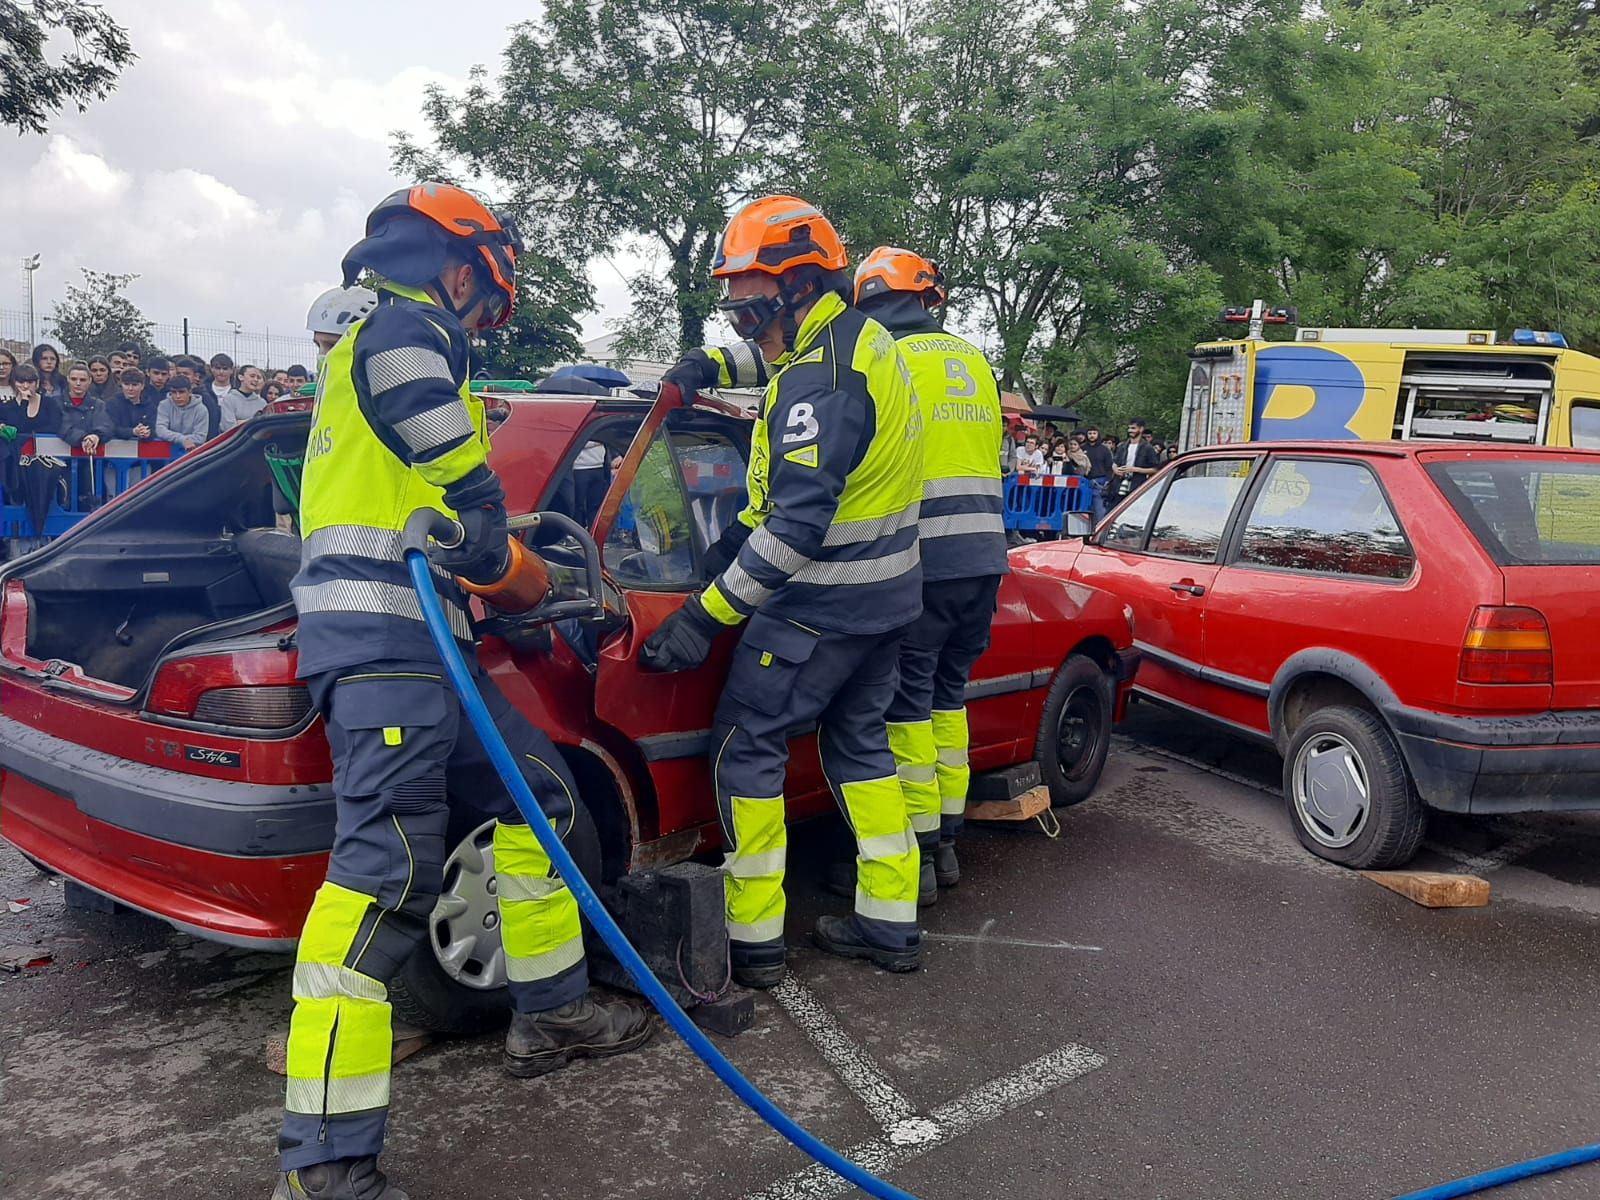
point(1526, 511)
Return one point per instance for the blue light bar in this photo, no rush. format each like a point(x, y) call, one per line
point(1537, 337)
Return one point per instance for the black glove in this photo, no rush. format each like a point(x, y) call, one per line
point(726, 548)
point(683, 641)
point(484, 553)
point(695, 370)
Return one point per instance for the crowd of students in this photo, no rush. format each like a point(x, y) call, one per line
point(117, 396)
point(1114, 467)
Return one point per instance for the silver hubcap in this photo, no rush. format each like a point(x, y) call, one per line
point(465, 928)
point(1331, 796)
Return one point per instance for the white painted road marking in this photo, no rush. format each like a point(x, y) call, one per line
point(988, 939)
point(984, 1103)
point(865, 1078)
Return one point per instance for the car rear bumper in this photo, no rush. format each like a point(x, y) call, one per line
point(228, 860)
point(1545, 762)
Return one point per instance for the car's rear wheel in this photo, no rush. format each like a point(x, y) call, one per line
point(455, 982)
point(1348, 792)
point(1075, 730)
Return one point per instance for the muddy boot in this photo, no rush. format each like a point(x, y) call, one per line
point(946, 868)
point(342, 1179)
point(761, 968)
point(927, 881)
point(538, 1043)
point(842, 936)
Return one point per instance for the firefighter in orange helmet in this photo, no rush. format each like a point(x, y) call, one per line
point(396, 428)
point(963, 550)
point(822, 570)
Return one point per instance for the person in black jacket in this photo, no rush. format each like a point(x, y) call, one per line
point(28, 416)
point(1102, 465)
point(85, 424)
point(133, 414)
point(1137, 460)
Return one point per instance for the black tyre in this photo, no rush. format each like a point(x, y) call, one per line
point(1350, 798)
point(1075, 731)
point(454, 983)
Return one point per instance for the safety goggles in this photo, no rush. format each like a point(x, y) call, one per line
point(750, 316)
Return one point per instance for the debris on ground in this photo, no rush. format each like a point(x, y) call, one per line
point(23, 958)
point(17, 906)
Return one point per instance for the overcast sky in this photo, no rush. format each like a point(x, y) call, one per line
point(238, 157)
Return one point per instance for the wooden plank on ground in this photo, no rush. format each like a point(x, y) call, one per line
point(1434, 889)
point(1020, 808)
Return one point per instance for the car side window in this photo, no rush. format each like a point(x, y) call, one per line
point(650, 544)
point(1586, 425)
point(1195, 510)
point(1125, 531)
point(1328, 517)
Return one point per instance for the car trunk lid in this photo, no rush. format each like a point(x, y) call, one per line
point(1569, 598)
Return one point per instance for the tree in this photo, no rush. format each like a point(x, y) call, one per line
point(96, 316)
point(543, 330)
point(639, 119)
point(32, 86)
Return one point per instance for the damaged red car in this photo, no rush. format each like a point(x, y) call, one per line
point(156, 747)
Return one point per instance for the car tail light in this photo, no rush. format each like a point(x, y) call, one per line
point(1507, 644)
point(250, 689)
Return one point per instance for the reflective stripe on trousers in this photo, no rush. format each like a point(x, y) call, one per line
point(539, 925)
point(339, 1037)
point(950, 736)
point(755, 869)
point(887, 860)
point(915, 755)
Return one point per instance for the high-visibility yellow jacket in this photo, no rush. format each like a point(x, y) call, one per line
point(394, 426)
point(962, 523)
point(835, 484)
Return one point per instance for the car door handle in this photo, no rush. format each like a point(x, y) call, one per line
point(1189, 586)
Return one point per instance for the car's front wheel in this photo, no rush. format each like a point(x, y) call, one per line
point(1348, 792)
point(455, 981)
point(1075, 730)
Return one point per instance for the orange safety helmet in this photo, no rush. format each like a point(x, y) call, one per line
point(891, 269)
point(776, 235)
point(413, 233)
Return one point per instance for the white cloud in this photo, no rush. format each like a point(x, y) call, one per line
point(237, 160)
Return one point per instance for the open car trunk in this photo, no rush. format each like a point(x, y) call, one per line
point(188, 555)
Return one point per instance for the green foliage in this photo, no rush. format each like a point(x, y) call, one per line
point(1097, 179)
point(544, 329)
point(638, 119)
point(96, 317)
point(33, 86)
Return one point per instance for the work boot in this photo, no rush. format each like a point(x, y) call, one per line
point(761, 969)
point(946, 867)
point(927, 881)
point(843, 936)
point(538, 1043)
point(342, 1179)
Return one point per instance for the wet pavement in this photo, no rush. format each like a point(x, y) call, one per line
point(1171, 999)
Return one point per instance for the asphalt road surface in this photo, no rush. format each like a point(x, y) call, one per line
point(1171, 999)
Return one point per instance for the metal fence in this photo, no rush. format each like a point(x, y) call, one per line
point(261, 347)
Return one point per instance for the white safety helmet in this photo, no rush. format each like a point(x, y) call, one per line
point(339, 308)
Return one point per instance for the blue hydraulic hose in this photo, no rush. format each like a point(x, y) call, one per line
point(461, 679)
point(1493, 1179)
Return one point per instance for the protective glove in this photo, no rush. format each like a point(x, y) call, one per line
point(683, 641)
point(726, 548)
point(484, 553)
point(8, 433)
point(695, 370)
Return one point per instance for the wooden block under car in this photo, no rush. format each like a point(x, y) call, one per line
point(1434, 889)
point(1022, 808)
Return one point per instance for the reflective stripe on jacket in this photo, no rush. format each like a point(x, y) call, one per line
point(835, 480)
point(963, 529)
point(394, 425)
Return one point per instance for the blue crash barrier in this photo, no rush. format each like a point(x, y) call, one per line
point(1038, 503)
point(90, 481)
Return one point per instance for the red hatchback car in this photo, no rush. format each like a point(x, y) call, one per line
point(156, 747)
point(1412, 625)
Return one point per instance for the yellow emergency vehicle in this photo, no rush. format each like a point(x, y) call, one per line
point(1377, 384)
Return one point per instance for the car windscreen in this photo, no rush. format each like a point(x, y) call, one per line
point(1526, 512)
